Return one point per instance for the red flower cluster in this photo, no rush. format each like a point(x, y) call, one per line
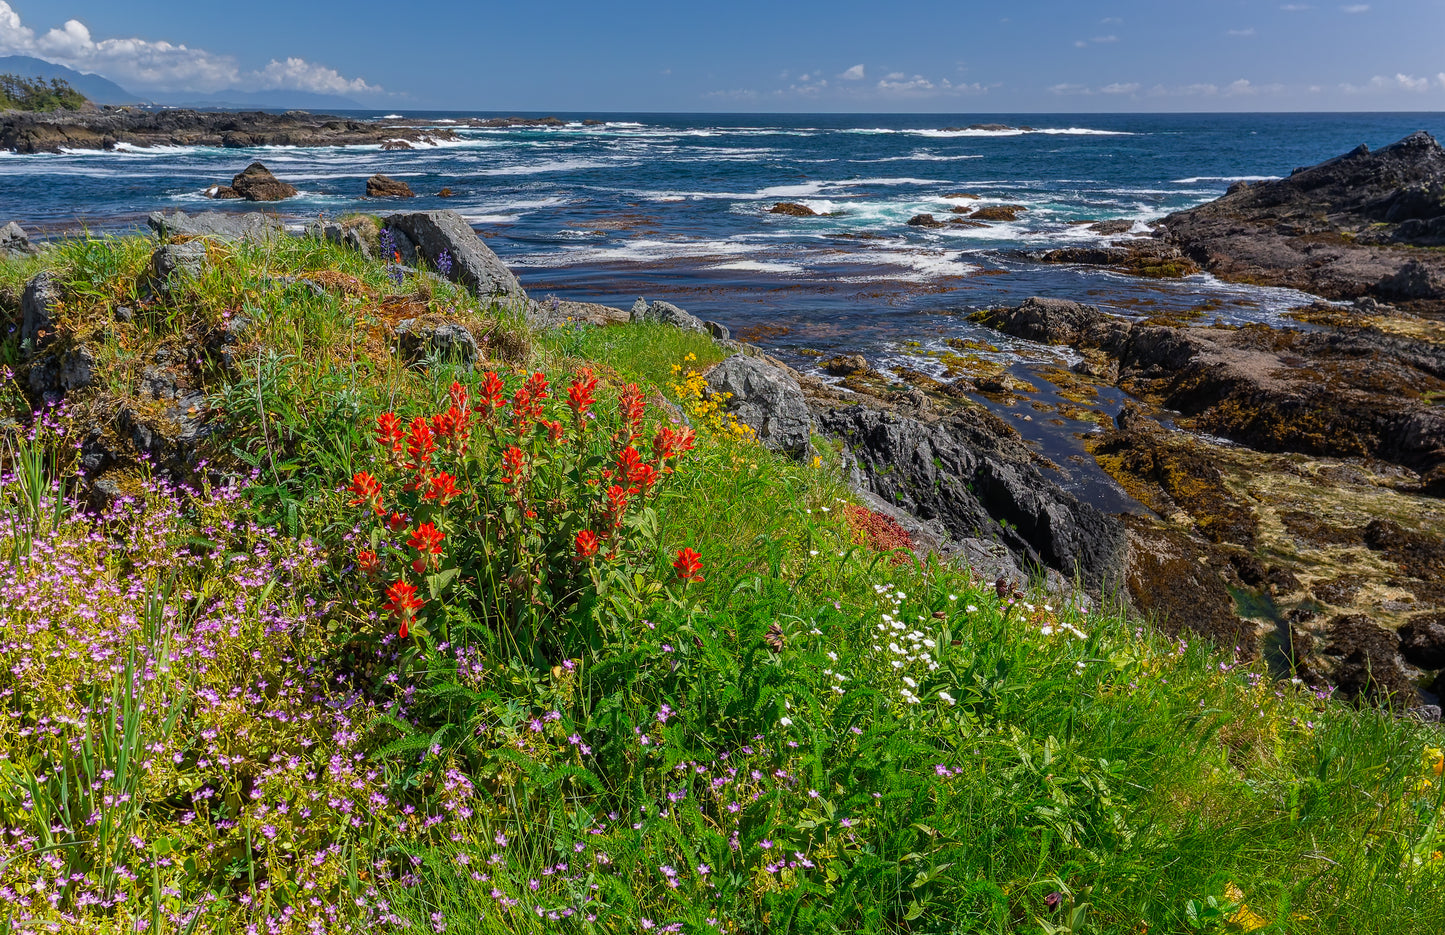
point(550, 468)
point(688, 565)
point(580, 395)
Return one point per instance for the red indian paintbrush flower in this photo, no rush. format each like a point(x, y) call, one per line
point(587, 544)
point(441, 488)
point(396, 523)
point(537, 388)
point(369, 564)
point(402, 603)
point(632, 406)
point(493, 394)
point(580, 393)
point(420, 444)
point(688, 565)
point(366, 489)
point(458, 393)
point(390, 433)
point(513, 460)
point(427, 539)
point(521, 408)
point(616, 504)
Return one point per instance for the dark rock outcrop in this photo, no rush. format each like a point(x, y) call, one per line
point(1175, 578)
point(1335, 229)
point(381, 186)
point(792, 208)
point(924, 220)
point(1422, 641)
point(1363, 661)
point(767, 399)
point(1338, 393)
point(39, 304)
point(473, 263)
point(1149, 258)
point(998, 213)
point(253, 226)
point(256, 183)
point(972, 472)
point(25, 132)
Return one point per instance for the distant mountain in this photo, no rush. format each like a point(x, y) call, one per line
point(267, 100)
point(97, 89)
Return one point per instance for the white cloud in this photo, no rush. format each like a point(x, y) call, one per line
point(1400, 82)
point(301, 75)
point(145, 65)
point(1080, 44)
point(1105, 39)
point(1120, 88)
point(1245, 33)
point(1241, 87)
point(1296, 7)
point(1355, 8)
point(1067, 88)
point(853, 74)
point(15, 36)
point(896, 84)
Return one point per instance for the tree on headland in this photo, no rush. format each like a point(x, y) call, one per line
point(17, 93)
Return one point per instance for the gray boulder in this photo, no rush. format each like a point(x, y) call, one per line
point(14, 240)
point(178, 260)
point(767, 399)
point(973, 473)
point(38, 305)
point(422, 341)
point(217, 225)
point(474, 265)
point(668, 314)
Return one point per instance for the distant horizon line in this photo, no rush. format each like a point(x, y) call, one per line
point(816, 113)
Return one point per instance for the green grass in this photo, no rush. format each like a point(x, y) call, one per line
point(928, 757)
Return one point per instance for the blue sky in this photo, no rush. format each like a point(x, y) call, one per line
point(783, 55)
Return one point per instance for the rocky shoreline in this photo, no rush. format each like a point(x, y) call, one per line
point(28, 133)
point(1288, 480)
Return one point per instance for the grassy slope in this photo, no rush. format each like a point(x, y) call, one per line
point(767, 730)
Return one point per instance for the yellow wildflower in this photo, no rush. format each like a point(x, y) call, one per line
point(1244, 917)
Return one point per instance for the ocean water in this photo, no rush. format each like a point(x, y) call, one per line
point(675, 207)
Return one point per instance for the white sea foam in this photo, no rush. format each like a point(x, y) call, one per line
point(558, 165)
point(759, 266)
point(1225, 178)
point(1011, 131)
point(390, 117)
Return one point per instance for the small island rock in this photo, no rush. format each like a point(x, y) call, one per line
point(256, 183)
point(381, 186)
